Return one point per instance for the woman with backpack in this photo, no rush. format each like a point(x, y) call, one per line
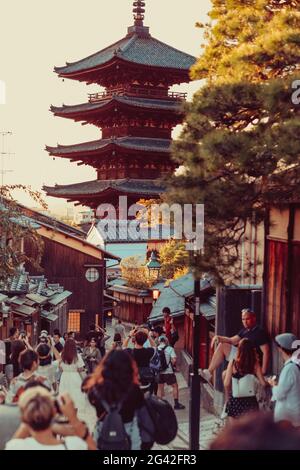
point(241, 377)
point(113, 389)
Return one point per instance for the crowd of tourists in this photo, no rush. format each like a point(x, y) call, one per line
point(47, 391)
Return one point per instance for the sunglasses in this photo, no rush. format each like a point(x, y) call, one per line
point(248, 310)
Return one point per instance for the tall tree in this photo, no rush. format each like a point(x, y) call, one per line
point(240, 145)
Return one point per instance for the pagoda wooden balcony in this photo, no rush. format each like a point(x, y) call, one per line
point(137, 92)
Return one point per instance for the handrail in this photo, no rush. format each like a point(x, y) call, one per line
point(131, 91)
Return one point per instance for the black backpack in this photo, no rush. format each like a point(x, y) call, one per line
point(113, 435)
point(163, 361)
point(146, 375)
point(164, 425)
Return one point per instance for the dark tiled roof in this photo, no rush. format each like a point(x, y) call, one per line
point(156, 104)
point(98, 186)
point(174, 297)
point(35, 288)
point(135, 49)
point(29, 291)
point(52, 221)
point(134, 143)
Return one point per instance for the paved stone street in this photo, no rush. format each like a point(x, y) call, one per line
point(209, 424)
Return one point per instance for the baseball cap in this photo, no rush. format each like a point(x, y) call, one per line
point(286, 340)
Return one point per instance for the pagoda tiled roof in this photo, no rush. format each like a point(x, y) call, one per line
point(156, 104)
point(133, 143)
point(136, 49)
point(128, 185)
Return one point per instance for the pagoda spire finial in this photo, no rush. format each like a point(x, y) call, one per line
point(138, 12)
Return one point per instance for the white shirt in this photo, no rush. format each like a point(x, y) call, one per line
point(287, 394)
point(72, 443)
point(48, 371)
point(169, 354)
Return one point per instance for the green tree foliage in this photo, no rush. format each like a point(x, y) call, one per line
point(240, 145)
point(14, 228)
point(173, 258)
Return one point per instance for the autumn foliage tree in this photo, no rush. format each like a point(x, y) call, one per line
point(240, 145)
point(135, 272)
point(174, 259)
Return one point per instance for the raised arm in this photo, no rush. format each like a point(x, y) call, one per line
point(126, 341)
point(151, 341)
point(80, 428)
point(234, 340)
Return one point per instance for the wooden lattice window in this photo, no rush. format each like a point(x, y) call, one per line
point(74, 321)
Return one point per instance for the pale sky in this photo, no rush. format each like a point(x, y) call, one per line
point(37, 35)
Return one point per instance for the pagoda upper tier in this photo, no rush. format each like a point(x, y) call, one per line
point(136, 113)
point(123, 157)
point(136, 57)
point(94, 193)
point(119, 110)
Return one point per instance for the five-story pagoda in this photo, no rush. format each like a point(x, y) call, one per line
point(136, 113)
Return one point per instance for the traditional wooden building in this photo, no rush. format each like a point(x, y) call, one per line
point(282, 272)
point(136, 112)
point(79, 266)
point(68, 260)
point(130, 304)
point(31, 304)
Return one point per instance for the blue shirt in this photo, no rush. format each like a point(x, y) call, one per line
point(287, 394)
